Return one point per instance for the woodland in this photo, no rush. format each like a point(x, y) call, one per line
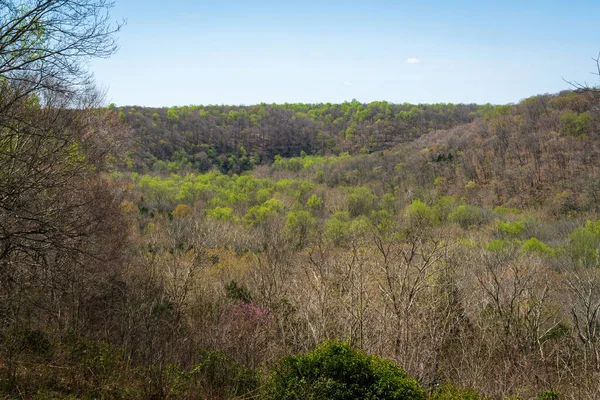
point(287, 251)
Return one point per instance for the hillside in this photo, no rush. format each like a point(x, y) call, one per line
point(467, 255)
point(238, 138)
point(319, 251)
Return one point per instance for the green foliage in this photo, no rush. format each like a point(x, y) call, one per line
point(237, 292)
point(584, 244)
point(315, 202)
point(260, 214)
point(388, 203)
point(263, 195)
point(468, 216)
point(298, 226)
point(383, 221)
point(221, 213)
point(549, 395)
point(335, 371)
point(491, 112)
point(337, 227)
point(360, 201)
point(510, 229)
point(499, 246)
point(535, 246)
point(506, 210)
point(421, 214)
point(341, 230)
point(305, 162)
point(576, 124)
point(172, 114)
point(443, 207)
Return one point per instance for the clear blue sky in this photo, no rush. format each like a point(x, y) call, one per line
point(181, 52)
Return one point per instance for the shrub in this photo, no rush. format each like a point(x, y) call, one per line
point(499, 245)
point(420, 214)
point(182, 211)
point(576, 124)
point(512, 229)
point(444, 206)
point(584, 244)
point(298, 226)
point(221, 213)
point(337, 371)
point(536, 246)
point(360, 201)
point(467, 216)
point(549, 395)
point(259, 214)
point(315, 202)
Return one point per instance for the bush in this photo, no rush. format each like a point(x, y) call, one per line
point(536, 246)
point(298, 226)
point(510, 229)
point(336, 371)
point(360, 201)
point(182, 211)
point(421, 214)
point(584, 245)
point(467, 216)
point(221, 213)
point(549, 395)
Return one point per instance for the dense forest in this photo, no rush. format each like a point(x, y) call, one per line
point(237, 139)
point(295, 251)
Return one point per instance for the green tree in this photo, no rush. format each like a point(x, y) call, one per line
point(298, 226)
point(336, 371)
point(584, 244)
point(360, 201)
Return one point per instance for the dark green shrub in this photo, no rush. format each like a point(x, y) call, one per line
point(336, 371)
point(549, 395)
point(238, 292)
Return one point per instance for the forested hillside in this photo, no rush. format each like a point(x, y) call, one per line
point(323, 251)
point(238, 138)
point(468, 255)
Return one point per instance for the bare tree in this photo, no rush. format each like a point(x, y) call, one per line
point(44, 44)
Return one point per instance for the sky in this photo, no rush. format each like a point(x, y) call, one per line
point(183, 52)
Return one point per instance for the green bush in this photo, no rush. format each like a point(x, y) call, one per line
point(335, 371)
point(467, 216)
point(510, 229)
point(444, 206)
point(535, 246)
point(360, 201)
point(584, 244)
point(549, 395)
point(576, 124)
point(221, 213)
point(298, 226)
point(420, 213)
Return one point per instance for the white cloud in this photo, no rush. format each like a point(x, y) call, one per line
point(348, 83)
point(413, 60)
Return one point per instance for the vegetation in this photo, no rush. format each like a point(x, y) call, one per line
point(335, 371)
point(382, 251)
